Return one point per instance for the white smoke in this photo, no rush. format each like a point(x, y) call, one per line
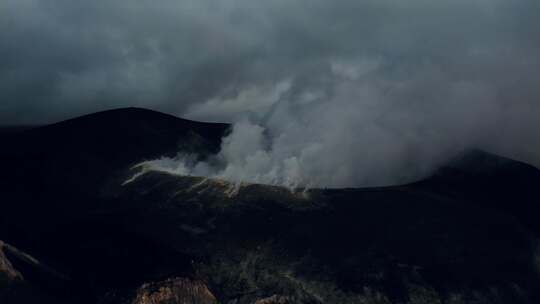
point(336, 93)
point(244, 157)
point(359, 129)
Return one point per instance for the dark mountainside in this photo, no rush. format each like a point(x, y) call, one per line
point(72, 231)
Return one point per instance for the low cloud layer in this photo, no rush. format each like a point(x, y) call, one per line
point(346, 92)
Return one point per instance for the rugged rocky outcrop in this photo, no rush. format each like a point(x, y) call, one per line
point(8, 274)
point(24, 280)
point(177, 290)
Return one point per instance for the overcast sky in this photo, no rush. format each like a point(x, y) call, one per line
point(466, 69)
point(59, 58)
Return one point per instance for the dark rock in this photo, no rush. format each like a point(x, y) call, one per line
point(174, 291)
point(8, 274)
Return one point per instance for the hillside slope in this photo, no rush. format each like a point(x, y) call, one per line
point(464, 235)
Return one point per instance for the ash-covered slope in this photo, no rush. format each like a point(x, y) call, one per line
point(490, 181)
point(57, 170)
point(464, 235)
point(328, 246)
point(109, 140)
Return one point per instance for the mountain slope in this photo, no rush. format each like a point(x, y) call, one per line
point(464, 235)
point(490, 181)
point(57, 170)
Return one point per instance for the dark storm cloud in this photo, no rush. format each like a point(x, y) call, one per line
point(414, 79)
point(59, 57)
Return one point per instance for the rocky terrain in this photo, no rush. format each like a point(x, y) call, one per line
point(74, 231)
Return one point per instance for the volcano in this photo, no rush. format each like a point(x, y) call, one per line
point(74, 231)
